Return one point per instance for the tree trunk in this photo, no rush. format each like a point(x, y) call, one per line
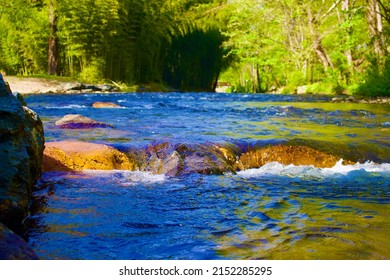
point(386, 10)
point(323, 55)
point(348, 52)
point(374, 18)
point(317, 42)
point(53, 40)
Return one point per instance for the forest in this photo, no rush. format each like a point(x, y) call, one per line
point(327, 46)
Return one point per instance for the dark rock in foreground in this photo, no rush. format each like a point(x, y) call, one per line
point(13, 247)
point(21, 151)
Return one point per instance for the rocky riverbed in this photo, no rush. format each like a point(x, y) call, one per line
point(29, 85)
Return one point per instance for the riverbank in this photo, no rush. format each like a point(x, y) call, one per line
point(33, 85)
point(36, 85)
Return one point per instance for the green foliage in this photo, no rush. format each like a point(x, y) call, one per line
point(22, 37)
point(261, 45)
point(377, 81)
point(93, 72)
point(122, 40)
point(295, 42)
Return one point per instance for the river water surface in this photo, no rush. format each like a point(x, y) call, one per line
point(274, 212)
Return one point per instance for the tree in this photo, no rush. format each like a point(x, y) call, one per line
point(53, 57)
point(375, 24)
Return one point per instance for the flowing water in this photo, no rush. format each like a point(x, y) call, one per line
point(273, 212)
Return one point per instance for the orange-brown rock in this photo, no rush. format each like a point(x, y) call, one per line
point(296, 155)
point(77, 156)
point(99, 104)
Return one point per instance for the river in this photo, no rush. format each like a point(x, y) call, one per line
point(273, 212)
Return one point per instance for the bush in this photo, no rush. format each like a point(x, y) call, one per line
point(377, 82)
point(93, 73)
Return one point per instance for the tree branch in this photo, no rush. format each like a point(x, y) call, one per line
point(330, 10)
point(386, 10)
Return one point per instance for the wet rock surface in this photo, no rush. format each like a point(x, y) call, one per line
point(76, 156)
point(296, 155)
point(21, 149)
point(76, 121)
point(179, 159)
point(99, 104)
point(13, 247)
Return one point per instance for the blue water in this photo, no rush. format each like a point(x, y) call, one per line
point(274, 212)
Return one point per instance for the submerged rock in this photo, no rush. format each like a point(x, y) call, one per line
point(77, 156)
point(163, 159)
point(203, 159)
point(179, 159)
point(99, 104)
point(76, 121)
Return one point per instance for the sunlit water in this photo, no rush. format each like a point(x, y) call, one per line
point(274, 212)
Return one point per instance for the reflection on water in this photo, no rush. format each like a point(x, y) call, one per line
point(312, 229)
point(126, 215)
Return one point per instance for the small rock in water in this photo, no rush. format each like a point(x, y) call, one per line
point(99, 104)
point(76, 121)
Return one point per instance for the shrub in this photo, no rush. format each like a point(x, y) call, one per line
point(377, 82)
point(93, 73)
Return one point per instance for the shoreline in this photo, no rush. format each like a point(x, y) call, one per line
point(33, 85)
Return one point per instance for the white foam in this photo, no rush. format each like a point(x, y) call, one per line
point(71, 106)
point(128, 178)
point(277, 169)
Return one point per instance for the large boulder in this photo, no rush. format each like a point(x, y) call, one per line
point(159, 158)
point(178, 159)
point(21, 150)
point(77, 156)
